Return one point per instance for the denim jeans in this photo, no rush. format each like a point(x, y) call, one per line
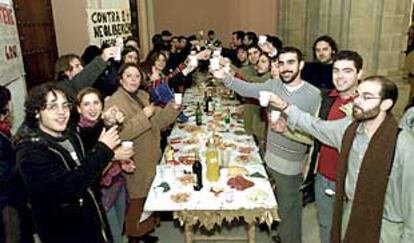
point(324, 206)
point(116, 217)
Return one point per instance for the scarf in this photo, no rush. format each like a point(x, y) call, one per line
point(85, 122)
point(367, 208)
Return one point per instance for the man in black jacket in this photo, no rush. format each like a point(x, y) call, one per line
point(58, 174)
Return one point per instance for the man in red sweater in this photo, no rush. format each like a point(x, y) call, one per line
point(347, 71)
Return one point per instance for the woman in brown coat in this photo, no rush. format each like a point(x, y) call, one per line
point(142, 125)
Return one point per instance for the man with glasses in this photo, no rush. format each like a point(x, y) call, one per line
point(374, 184)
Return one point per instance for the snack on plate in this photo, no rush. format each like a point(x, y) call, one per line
point(244, 159)
point(246, 149)
point(239, 183)
point(180, 197)
point(236, 170)
point(226, 144)
point(186, 179)
point(187, 159)
point(191, 128)
point(257, 195)
point(190, 141)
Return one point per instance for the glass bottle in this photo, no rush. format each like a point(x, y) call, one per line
point(212, 163)
point(198, 172)
point(199, 115)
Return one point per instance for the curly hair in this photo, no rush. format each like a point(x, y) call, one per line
point(36, 101)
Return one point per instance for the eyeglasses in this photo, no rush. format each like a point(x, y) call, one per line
point(54, 107)
point(366, 96)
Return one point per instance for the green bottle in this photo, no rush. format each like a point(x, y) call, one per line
point(199, 115)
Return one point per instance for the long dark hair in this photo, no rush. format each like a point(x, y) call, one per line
point(5, 97)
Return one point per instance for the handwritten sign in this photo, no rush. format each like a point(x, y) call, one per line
point(105, 25)
point(11, 64)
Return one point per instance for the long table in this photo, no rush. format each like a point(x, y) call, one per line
point(216, 203)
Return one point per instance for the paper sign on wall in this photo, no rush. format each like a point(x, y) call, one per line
point(11, 64)
point(105, 25)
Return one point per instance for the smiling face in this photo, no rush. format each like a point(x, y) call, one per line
point(289, 67)
point(130, 79)
point(345, 76)
point(160, 62)
point(90, 107)
point(54, 117)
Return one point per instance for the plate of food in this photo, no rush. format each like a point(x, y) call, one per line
point(187, 159)
point(245, 159)
point(180, 197)
point(257, 195)
point(246, 149)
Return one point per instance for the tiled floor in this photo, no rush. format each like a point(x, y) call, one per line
point(171, 232)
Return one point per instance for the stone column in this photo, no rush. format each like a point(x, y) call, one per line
point(374, 28)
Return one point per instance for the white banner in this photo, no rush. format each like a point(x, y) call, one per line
point(105, 25)
point(11, 64)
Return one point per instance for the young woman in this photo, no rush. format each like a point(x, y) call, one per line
point(142, 125)
point(113, 184)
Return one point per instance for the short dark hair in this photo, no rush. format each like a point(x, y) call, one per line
point(166, 33)
point(350, 56)
point(5, 97)
point(253, 37)
point(291, 49)
point(239, 34)
point(389, 89)
point(211, 32)
point(36, 101)
point(327, 39)
point(137, 66)
point(63, 64)
point(128, 49)
point(276, 41)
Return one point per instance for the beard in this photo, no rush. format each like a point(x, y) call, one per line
point(360, 115)
point(289, 80)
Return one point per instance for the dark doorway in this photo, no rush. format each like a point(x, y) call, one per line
point(37, 38)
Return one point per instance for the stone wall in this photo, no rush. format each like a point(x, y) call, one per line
point(375, 28)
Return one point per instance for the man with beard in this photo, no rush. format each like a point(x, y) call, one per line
point(374, 183)
point(319, 71)
point(286, 152)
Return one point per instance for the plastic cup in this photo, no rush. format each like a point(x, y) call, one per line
point(127, 144)
point(178, 98)
point(274, 116)
point(262, 39)
point(215, 63)
point(264, 97)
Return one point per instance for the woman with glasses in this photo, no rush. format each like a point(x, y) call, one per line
point(58, 173)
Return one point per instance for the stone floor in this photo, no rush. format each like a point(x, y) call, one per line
point(171, 232)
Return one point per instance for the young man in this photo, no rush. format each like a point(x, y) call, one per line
point(72, 76)
point(374, 195)
point(58, 174)
point(319, 71)
point(347, 70)
point(286, 151)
